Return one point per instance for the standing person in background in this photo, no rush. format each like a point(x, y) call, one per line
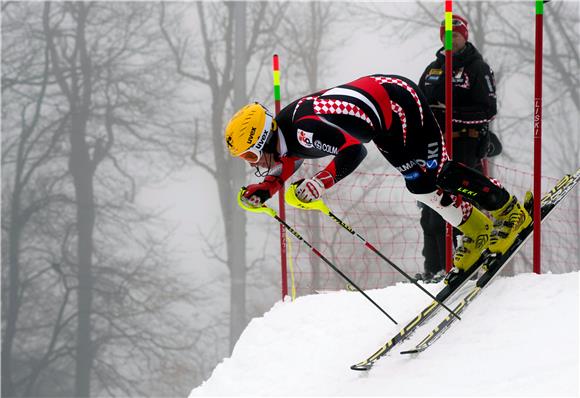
point(474, 106)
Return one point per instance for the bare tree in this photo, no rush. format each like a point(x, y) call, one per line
point(220, 66)
point(88, 112)
point(307, 36)
point(24, 155)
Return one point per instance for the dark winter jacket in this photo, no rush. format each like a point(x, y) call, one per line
point(474, 97)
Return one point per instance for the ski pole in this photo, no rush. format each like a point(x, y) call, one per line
point(319, 205)
point(272, 213)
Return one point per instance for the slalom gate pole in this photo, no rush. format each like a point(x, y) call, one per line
point(281, 207)
point(537, 250)
point(321, 206)
point(448, 115)
point(272, 213)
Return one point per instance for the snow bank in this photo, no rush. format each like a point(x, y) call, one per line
point(519, 338)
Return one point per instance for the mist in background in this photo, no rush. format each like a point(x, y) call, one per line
point(127, 267)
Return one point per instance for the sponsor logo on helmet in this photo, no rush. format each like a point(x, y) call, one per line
point(262, 140)
point(326, 148)
point(305, 138)
point(251, 136)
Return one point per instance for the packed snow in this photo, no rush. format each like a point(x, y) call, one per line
point(520, 337)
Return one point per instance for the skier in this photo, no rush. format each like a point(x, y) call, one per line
point(393, 113)
point(474, 106)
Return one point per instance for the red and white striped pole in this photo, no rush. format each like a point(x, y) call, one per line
point(449, 114)
point(281, 204)
point(538, 136)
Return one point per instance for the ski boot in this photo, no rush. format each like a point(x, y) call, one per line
point(510, 220)
point(470, 252)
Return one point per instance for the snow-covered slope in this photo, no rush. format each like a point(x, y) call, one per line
point(519, 338)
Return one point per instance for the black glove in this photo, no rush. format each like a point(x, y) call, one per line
point(495, 147)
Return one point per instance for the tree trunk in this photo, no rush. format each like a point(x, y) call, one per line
point(82, 170)
point(82, 174)
point(11, 305)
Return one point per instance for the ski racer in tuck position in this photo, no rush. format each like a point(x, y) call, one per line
point(391, 112)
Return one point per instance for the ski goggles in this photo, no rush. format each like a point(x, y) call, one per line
point(254, 153)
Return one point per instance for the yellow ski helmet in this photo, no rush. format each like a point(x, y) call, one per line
point(248, 132)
